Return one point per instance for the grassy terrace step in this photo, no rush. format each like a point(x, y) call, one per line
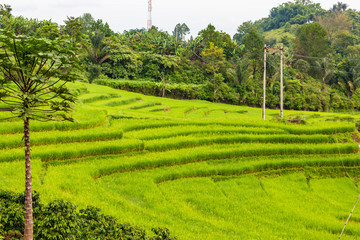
point(168, 132)
point(237, 166)
point(319, 128)
point(121, 102)
point(213, 152)
point(166, 123)
point(204, 170)
point(74, 150)
point(264, 166)
point(83, 119)
point(191, 141)
point(56, 137)
point(247, 208)
point(90, 98)
point(146, 105)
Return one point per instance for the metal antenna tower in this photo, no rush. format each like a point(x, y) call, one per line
point(149, 21)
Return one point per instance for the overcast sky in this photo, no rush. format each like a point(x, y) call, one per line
point(225, 15)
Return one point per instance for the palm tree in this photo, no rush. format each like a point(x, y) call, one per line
point(97, 50)
point(180, 31)
point(339, 7)
point(5, 10)
point(184, 31)
point(348, 75)
point(96, 54)
point(327, 70)
point(195, 46)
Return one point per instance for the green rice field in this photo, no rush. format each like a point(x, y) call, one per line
point(203, 170)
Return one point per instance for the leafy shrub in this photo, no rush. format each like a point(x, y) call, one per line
point(94, 71)
point(179, 91)
point(61, 220)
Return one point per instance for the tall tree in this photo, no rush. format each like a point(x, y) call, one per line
point(48, 29)
point(5, 10)
point(311, 41)
point(35, 73)
point(348, 76)
point(73, 27)
point(254, 45)
point(96, 54)
point(339, 7)
point(180, 31)
point(215, 60)
point(242, 30)
point(296, 12)
point(334, 23)
point(185, 30)
point(88, 23)
point(219, 39)
point(327, 69)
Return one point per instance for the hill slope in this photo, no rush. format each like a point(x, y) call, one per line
point(203, 170)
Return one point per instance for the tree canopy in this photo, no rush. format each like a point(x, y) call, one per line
point(35, 71)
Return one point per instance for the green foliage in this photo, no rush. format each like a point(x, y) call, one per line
point(155, 65)
point(122, 62)
point(254, 48)
point(19, 25)
point(298, 12)
point(335, 23)
point(302, 65)
point(48, 30)
point(242, 30)
point(73, 27)
point(183, 91)
point(348, 77)
point(37, 70)
point(62, 220)
point(5, 10)
point(311, 40)
point(342, 41)
point(93, 72)
point(219, 39)
point(154, 55)
point(214, 58)
point(180, 31)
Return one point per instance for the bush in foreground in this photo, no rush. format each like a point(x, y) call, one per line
point(62, 220)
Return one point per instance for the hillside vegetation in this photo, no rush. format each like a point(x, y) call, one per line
point(202, 170)
point(321, 56)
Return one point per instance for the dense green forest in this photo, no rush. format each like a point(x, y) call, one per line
point(322, 57)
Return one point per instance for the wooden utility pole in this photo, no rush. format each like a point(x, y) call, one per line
point(281, 83)
point(281, 79)
point(264, 84)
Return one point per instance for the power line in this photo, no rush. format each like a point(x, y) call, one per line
point(318, 67)
point(348, 175)
point(336, 59)
point(323, 68)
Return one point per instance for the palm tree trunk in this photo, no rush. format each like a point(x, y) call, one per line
point(28, 231)
point(164, 86)
point(214, 90)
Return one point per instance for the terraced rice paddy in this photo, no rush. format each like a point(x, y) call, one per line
point(203, 170)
